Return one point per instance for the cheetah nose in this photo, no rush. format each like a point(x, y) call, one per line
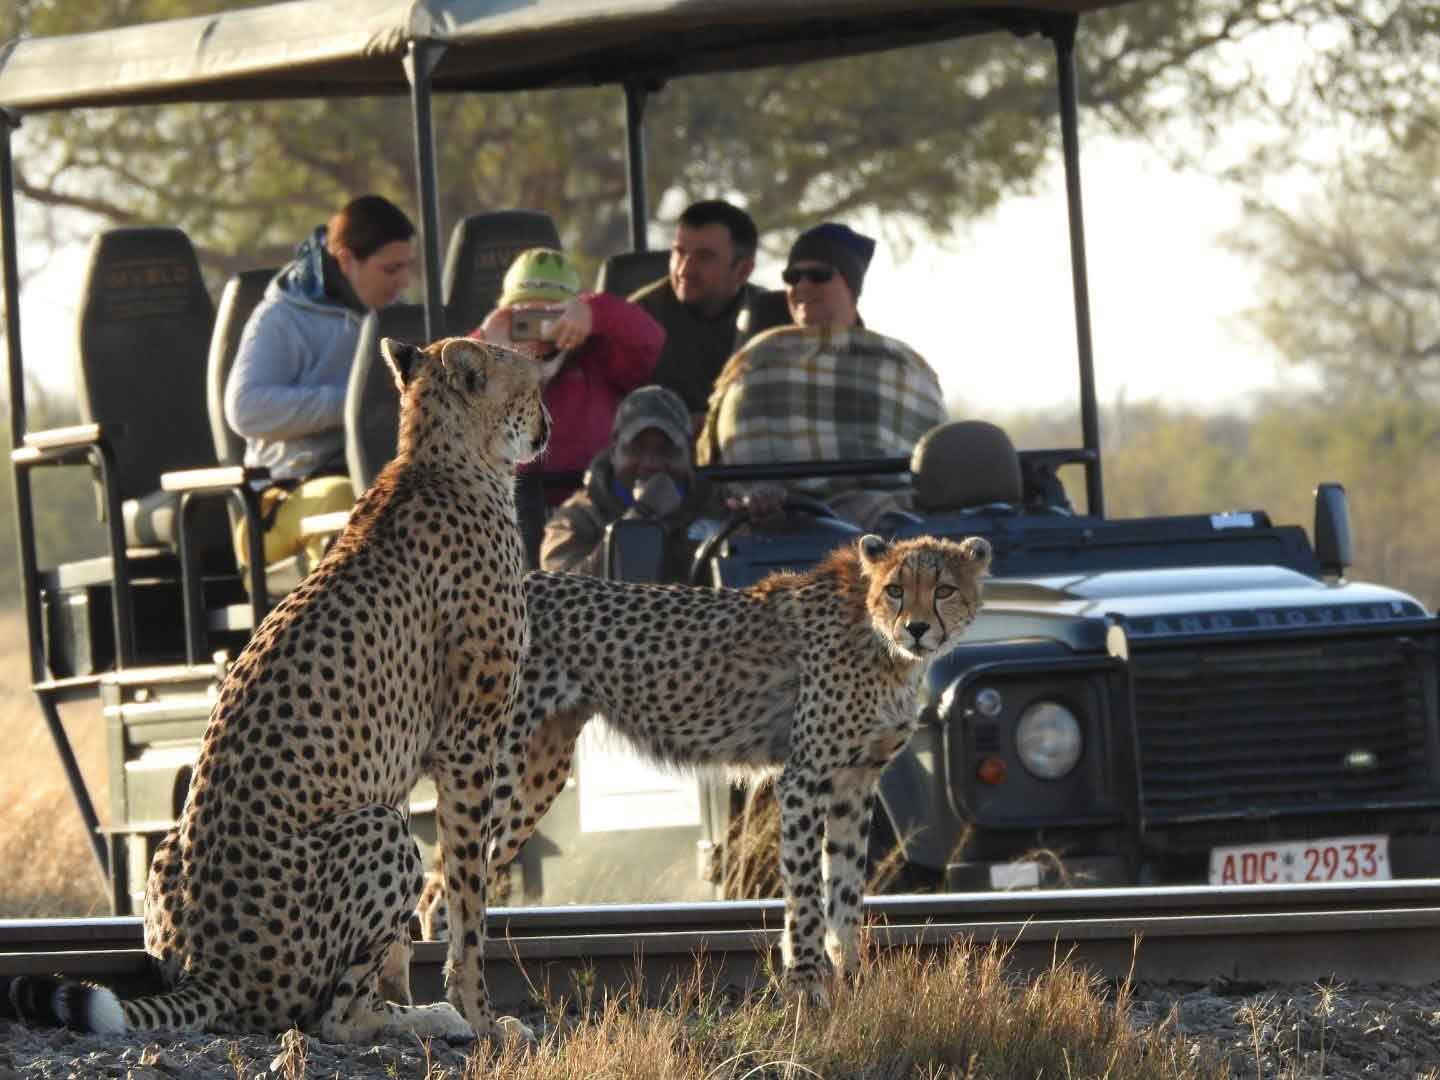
point(917, 629)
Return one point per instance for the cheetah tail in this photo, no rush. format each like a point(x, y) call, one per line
point(82, 1006)
point(46, 1001)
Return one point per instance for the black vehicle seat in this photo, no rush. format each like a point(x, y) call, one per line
point(144, 331)
point(482, 247)
point(624, 273)
point(372, 402)
point(142, 334)
point(238, 300)
point(966, 465)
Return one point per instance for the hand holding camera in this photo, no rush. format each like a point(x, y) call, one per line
point(657, 496)
point(533, 324)
point(571, 326)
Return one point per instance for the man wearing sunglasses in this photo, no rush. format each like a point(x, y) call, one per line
point(823, 276)
point(826, 389)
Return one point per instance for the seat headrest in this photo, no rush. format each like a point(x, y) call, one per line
point(372, 404)
point(768, 310)
point(241, 295)
point(142, 336)
point(482, 247)
point(625, 272)
point(965, 463)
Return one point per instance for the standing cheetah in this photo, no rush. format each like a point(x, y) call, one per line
point(812, 674)
point(292, 874)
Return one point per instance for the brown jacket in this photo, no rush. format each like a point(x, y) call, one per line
point(695, 348)
point(575, 530)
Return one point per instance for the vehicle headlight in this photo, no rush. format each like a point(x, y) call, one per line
point(1047, 738)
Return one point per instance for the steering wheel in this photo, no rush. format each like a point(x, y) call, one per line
point(804, 504)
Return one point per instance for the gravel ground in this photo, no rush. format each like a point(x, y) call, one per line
point(1294, 1032)
point(1348, 1032)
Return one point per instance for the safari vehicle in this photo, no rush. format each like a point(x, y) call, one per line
point(1175, 699)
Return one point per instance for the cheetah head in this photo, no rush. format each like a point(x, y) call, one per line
point(483, 391)
point(923, 593)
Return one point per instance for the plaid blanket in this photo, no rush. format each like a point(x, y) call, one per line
point(821, 394)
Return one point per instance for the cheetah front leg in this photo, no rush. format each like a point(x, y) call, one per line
point(799, 792)
point(362, 927)
point(532, 770)
point(847, 834)
point(536, 759)
point(463, 810)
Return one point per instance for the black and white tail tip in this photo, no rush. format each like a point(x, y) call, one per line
point(44, 1001)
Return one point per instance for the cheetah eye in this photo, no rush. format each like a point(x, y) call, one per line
point(944, 592)
point(895, 592)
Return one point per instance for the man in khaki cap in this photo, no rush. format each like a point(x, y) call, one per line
point(645, 472)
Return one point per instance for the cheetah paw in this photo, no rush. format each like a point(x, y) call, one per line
point(441, 1020)
point(808, 985)
point(506, 1031)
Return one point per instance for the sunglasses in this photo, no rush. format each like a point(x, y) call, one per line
point(793, 275)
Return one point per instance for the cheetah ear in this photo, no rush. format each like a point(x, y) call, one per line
point(872, 549)
point(976, 549)
point(402, 358)
point(472, 354)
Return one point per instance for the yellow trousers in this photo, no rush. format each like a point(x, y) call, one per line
point(319, 495)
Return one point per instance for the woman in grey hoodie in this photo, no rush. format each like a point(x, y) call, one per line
point(286, 391)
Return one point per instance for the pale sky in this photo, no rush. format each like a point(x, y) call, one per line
point(992, 310)
point(996, 316)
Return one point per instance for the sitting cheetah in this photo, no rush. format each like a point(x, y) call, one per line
point(814, 674)
point(292, 874)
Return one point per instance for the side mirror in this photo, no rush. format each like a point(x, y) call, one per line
point(634, 550)
point(1332, 529)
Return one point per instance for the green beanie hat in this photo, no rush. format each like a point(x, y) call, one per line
point(539, 274)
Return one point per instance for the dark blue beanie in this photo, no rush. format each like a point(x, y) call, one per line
point(840, 246)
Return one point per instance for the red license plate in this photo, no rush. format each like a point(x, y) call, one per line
point(1336, 858)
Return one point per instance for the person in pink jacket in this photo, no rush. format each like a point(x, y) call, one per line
point(595, 349)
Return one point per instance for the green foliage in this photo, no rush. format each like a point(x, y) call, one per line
point(1385, 451)
point(1350, 285)
point(927, 137)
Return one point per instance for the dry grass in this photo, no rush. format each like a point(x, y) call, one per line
point(953, 1014)
point(45, 857)
point(752, 853)
point(956, 1014)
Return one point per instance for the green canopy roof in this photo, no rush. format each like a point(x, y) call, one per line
point(318, 48)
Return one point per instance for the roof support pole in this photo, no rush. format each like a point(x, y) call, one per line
point(9, 122)
point(24, 511)
point(1063, 36)
point(421, 59)
point(635, 96)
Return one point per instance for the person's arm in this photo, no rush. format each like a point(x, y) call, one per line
point(264, 397)
point(631, 338)
point(572, 542)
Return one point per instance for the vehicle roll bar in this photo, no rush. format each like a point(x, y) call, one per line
point(1062, 35)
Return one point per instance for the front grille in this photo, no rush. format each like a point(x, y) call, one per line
point(1247, 728)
